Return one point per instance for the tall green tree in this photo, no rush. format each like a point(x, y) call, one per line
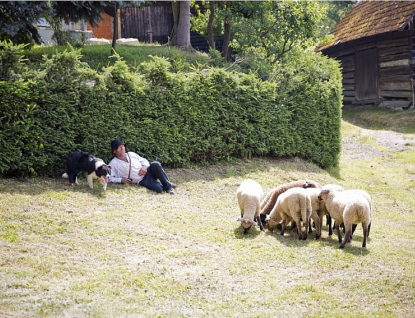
point(274, 28)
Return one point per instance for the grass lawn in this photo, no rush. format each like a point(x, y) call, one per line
point(75, 252)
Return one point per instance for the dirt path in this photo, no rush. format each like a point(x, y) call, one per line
point(393, 141)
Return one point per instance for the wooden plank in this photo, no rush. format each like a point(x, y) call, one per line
point(394, 50)
point(394, 42)
point(348, 69)
point(348, 99)
point(401, 70)
point(396, 94)
point(396, 78)
point(348, 75)
point(366, 46)
point(348, 81)
point(394, 63)
point(348, 87)
point(349, 93)
point(347, 62)
point(400, 56)
point(400, 86)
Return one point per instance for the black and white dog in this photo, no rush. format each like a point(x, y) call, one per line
point(96, 168)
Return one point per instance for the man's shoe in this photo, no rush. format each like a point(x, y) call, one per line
point(173, 185)
point(170, 191)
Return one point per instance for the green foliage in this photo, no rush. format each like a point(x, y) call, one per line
point(11, 59)
point(177, 118)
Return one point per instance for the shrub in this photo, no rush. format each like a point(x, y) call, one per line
point(176, 118)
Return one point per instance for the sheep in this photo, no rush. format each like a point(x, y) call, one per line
point(348, 207)
point(318, 209)
point(249, 196)
point(339, 188)
point(325, 212)
point(293, 204)
point(369, 200)
point(271, 198)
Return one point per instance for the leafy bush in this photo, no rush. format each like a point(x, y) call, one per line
point(176, 118)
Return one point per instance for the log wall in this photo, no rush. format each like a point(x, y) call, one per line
point(394, 53)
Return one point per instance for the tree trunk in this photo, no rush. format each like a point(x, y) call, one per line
point(115, 28)
point(176, 9)
point(183, 28)
point(226, 33)
point(211, 40)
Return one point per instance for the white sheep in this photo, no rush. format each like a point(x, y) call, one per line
point(318, 209)
point(369, 200)
point(324, 210)
point(293, 204)
point(348, 207)
point(249, 196)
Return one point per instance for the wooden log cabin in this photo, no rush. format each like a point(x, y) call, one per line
point(375, 43)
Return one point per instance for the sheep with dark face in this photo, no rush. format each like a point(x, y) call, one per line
point(271, 198)
point(323, 211)
point(348, 207)
point(293, 204)
point(249, 195)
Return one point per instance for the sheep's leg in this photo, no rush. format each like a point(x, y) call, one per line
point(317, 221)
point(258, 220)
point(348, 234)
point(365, 233)
point(299, 230)
point(338, 231)
point(353, 229)
point(282, 227)
point(328, 220)
point(306, 225)
point(368, 228)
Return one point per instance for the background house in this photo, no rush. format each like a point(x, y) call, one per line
point(375, 43)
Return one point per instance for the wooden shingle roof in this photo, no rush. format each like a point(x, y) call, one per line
point(369, 18)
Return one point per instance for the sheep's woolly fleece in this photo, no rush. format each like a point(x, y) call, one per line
point(271, 198)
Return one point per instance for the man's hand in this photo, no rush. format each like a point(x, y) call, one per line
point(125, 180)
point(143, 171)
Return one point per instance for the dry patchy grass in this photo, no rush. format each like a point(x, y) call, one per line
point(76, 252)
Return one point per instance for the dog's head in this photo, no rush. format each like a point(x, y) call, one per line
point(103, 173)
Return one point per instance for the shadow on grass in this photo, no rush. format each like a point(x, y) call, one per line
point(241, 168)
point(200, 174)
point(253, 232)
point(40, 185)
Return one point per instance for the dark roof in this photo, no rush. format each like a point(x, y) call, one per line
point(369, 18)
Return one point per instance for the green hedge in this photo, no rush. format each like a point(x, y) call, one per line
point(199, 117)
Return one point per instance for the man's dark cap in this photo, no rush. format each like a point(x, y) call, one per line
point(116, 143)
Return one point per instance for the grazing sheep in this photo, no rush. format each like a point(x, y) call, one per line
point(318, 210)
point(348, 207)
point(294, 204)
point(325, 212)
point(249, 196)
point(271, 198)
